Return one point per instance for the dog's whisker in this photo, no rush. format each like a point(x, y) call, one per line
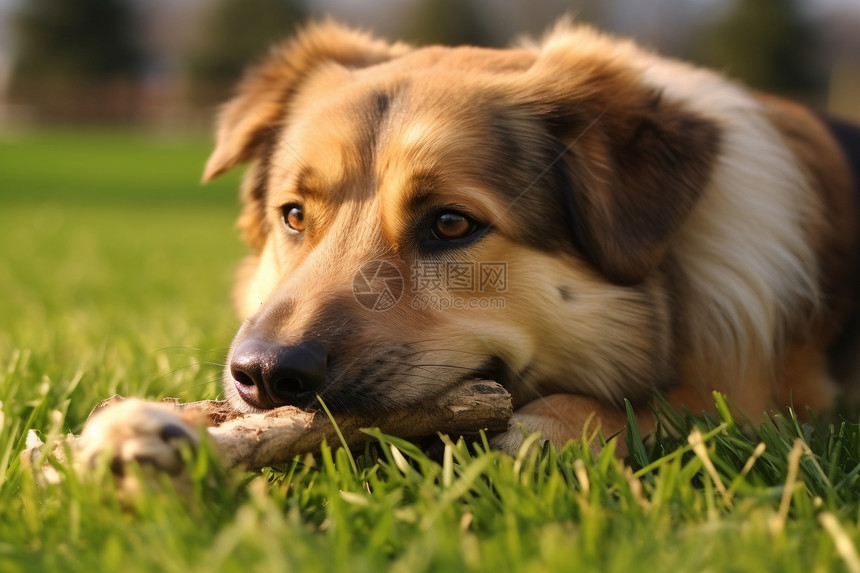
point(434, 379)
point(428, 366)
point(189, 387)
point(444, 350)
point(190, 350)
point(174, 371)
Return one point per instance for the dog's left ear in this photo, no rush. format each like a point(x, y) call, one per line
point(636, 163)
point(249, 121)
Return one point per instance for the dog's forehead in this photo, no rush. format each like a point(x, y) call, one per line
point(440, 122)
point(347, 126)
point(436, 109)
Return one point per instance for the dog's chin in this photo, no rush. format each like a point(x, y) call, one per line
point(496, 369)
point(360, 400)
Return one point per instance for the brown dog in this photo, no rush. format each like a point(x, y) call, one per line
point(580, 220)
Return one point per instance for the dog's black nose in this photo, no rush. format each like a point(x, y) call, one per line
point(268, 375)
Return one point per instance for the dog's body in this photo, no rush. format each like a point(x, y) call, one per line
point(661, 230)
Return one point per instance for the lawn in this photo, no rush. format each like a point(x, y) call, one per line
point(115, 272)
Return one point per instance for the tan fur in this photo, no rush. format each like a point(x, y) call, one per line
point(663, 229)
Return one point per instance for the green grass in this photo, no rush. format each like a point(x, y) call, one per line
point(115, 270)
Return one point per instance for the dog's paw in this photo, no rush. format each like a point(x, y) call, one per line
point(520, 429)
point(560, 418)
point(148, 433)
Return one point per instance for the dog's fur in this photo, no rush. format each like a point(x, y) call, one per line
point(664, 230)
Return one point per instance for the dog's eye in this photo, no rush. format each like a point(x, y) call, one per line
point(294, 217)
point(451, 225)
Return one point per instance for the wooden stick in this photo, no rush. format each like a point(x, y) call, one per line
point(259, 440)
point(255, 441)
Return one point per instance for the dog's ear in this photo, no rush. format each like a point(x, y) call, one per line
point(251, 119)
point(635, 162)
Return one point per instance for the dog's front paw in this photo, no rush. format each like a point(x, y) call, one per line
point(148, 433)
point(560, 418)
point(521, 427)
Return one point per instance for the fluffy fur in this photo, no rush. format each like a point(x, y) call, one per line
point(664, 230)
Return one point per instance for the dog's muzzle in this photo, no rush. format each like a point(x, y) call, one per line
point(268, 375)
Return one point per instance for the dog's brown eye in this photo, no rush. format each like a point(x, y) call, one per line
point(450, 226)
point(294, 217)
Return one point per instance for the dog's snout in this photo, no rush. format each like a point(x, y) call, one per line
point(268, 375)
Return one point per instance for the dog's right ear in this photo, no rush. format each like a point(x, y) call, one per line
point(251, 119)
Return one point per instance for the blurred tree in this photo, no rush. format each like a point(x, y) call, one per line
point(80, 39)
point(769, 44)
point(233, 34)
point(450, 22)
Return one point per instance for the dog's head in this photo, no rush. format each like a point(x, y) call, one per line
point(421, 217)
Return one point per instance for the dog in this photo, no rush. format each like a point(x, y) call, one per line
point(579, 219)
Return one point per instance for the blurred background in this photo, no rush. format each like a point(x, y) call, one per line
point(165, 63)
